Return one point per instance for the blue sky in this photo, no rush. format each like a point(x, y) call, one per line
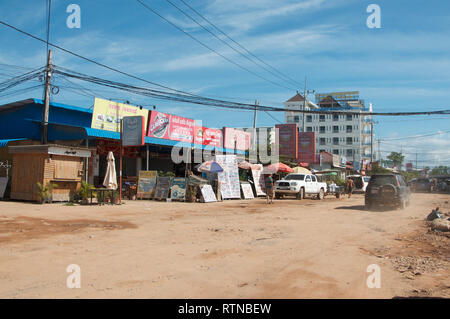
point(404, 66)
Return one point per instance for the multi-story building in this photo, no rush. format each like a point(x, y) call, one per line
point(347, 135)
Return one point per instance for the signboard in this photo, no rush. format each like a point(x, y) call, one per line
point(178, 188)
point(258, 179)
point(287, 139)
point(409, 166)
point(352, 95)
point(162, 187)
point(170, 127)
point(247, 191)
point(208, 194)
point(107, 114)
point(307, 147)
point(229, 178)
point(146, 184)
point(236, 139)
point(3, 183)
point(208, 136)
point(133, 131)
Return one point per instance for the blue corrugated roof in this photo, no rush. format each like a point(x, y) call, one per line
point(64, 106)
point(4, 143)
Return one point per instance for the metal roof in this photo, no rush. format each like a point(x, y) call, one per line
point(4, 143)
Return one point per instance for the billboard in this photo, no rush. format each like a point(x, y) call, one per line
point(207, 136)
point(236, 139)
point(307, 147)
point(107, 114)
point(170, 127)
point(287, 139)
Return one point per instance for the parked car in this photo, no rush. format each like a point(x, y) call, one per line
point(300, 185)
point(360, 181)
point(387, 190)
point(420, 185)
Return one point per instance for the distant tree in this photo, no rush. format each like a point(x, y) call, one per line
point(440, 170)
point(396, 158)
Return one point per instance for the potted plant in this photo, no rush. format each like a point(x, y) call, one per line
point(45, 192)
point(84, 192)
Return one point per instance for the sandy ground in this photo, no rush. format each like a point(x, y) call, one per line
point(232, 249)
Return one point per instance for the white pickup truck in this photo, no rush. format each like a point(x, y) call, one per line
point(300, 185)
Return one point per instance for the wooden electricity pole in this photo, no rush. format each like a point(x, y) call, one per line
point(48, 74)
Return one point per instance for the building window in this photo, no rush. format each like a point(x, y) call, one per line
point(309, 129)
point(322, 129)
point(296, 119)
point(336, 129)
point(309, 118)
point(336, 152)
point(335, 140)
point(349, 141)
point(322, 141)
point(321, 118)
point(349, 152)
point(335, 117)
point(349, 117)
point(349, 129)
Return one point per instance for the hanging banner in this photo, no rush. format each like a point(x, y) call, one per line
point(146, 184)
point(170, 127)
point(307, 147)
point(247, 191)
point(229, 178)
point(258, 180)
point(236, 139)
point(208, 194)
point(107, 114)
point(288, 139)
point(133, 131)
point(178, 188)
point(208, 136)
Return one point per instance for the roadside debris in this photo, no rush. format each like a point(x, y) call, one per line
point(438, 221)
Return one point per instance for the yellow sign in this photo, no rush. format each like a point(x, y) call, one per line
point(107, 114)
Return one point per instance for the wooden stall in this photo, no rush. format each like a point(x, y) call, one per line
point(60, 165)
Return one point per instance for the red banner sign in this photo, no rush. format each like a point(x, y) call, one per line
point(233, 138)
point(208, 136)
point(307, 147)
point(170, 127)
point(287, 139)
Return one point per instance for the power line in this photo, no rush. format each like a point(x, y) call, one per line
point(274, 118)
point(226, 43)
point(211, 49)
point(415, 136)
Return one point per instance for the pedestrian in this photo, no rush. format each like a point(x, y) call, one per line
point(269, 188)
point(350, 186)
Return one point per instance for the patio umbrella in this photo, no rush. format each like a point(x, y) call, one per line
point(209, 167)
point(277, 168)
point(302, 170)
point(110, 180)
point(247, 165)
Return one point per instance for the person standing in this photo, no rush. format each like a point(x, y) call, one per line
point(350, 186)
point(269, 188)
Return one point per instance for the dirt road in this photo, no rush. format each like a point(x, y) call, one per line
point(232, 249)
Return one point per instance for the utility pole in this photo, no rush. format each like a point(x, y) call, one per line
point(254, 124)
point(304, 107)
point(48, 74)
point(379, 151)
point(371, 141)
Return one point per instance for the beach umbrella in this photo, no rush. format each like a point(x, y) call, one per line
point(209, 167)
point(277, 168)
point(110, 180)
point(247, 165)
point(301, 170)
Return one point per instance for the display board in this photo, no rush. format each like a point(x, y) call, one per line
point(3, 184)
point(162, 187)
point(208, 194)
point(170, 127)
point(107, 114)
point(133, 131)
point(247, 191)
point(178, 188)
point(229, 178)
point(146, 184)
point(258, 179)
